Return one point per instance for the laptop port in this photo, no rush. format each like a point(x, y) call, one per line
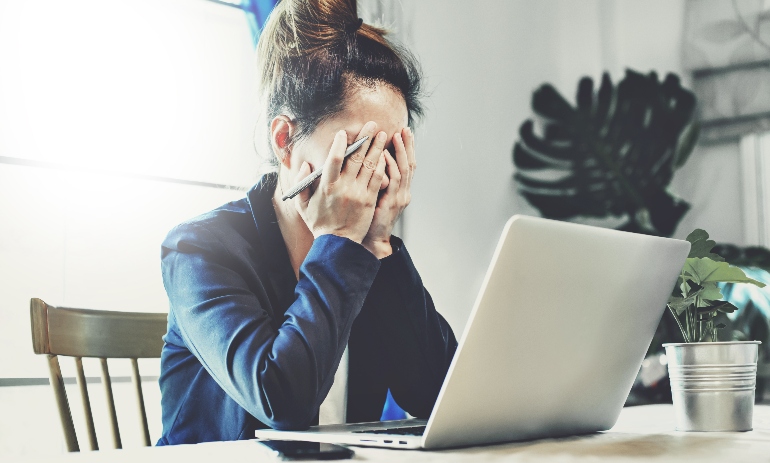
point(388, 441)
point(402, 442)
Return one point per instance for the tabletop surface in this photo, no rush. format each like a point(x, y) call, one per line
point(641, 434)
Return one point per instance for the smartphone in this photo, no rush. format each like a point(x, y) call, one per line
point(301, 450)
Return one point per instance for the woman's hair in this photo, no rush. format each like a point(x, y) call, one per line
point(313, 53)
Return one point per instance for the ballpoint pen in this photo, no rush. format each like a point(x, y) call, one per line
point(307, 181)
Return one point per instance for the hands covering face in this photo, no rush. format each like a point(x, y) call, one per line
point(397, 195)
point(347, 201)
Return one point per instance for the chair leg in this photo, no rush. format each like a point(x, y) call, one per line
point(60, 395)
point(137, 380)
point(110, 404)
point(81, 377)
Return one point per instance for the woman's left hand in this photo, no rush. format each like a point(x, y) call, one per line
point(394, 199)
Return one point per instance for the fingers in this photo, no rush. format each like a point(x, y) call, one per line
point(409, 143)
point(300, 201)
point(333, 164)
point(377, 173)
point(408, 138)
point(356, 160)
point(402, 158)
point(372, 159)
point(393, 171)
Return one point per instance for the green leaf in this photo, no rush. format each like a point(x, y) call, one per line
point(679, 304)
point(705, 270)
point(726, 307)
point(701, 245)
point(711, 291)
point(720, 325)
point(706, 309)
point(689, 287)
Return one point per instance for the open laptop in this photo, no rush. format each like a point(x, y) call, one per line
point(555, 339)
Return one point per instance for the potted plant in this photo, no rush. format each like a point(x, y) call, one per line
point(712, 383)
point(609, 159)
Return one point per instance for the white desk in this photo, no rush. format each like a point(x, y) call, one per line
point(641, 434)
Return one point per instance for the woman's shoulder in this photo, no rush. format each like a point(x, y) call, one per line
point(227, 224)
point(231, 227)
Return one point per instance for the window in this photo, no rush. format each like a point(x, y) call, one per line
point(118, 120)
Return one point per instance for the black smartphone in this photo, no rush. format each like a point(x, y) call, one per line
point(301, 450)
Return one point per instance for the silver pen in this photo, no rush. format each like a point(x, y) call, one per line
point(307, 181)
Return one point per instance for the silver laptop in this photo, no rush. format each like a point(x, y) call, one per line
point(555, 339)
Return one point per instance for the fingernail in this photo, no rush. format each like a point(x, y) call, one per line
point(371, 125)
point(381, 136)
point(409, 130)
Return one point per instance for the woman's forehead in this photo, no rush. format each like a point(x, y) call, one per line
point(380, 104)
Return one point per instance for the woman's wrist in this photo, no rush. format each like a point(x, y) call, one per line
point(380, 248)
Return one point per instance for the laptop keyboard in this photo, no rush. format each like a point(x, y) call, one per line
point(406, 431)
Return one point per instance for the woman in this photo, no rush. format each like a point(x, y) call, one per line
point(265, 295)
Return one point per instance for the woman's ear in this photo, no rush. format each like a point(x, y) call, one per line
point(281, 133)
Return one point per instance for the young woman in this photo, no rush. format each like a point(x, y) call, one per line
point(266, 294)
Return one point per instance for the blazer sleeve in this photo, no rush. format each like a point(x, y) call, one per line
point(419, 343)
point(279, 376)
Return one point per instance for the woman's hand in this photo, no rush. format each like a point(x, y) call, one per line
point(395, 197)
point(344, 201)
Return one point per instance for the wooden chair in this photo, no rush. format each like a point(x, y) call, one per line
point(101, 334)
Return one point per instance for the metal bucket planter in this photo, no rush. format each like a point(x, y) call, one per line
point(712, 384)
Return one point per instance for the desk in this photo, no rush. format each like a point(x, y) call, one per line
point(641, 434)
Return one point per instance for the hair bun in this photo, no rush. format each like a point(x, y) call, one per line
point(311, 51)
point(353, 27)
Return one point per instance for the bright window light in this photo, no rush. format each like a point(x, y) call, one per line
point(161, 87)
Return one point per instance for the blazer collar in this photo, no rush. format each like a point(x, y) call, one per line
point(281, 274)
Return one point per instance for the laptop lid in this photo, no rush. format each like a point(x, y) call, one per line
point(558, 332)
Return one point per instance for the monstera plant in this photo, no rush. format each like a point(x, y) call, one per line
point(613, 154)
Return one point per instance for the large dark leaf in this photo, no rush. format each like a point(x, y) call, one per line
point(750, 256)
point(614, 153)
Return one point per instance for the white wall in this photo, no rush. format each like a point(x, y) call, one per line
point(711, 183)
point(161, 87)
point(97, 100)
point(482, 63)
point(107, 90)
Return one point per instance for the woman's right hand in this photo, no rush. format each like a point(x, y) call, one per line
point(343, 202)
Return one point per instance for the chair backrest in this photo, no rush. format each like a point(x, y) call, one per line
point(101, 334)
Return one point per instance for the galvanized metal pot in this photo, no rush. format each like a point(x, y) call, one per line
point(712, 384)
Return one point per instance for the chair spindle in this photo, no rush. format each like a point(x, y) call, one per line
point(81, 379)
point(110, 404)
point(60, 395)
point(137, 381)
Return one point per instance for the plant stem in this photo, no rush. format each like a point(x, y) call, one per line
point(681, 328)
point(698, 323)
point(693, 322)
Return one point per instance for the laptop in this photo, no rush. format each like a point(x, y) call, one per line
point(552, 346)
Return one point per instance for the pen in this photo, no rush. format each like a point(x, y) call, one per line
point(312, 177)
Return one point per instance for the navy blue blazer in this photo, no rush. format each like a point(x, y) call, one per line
point(249, 346)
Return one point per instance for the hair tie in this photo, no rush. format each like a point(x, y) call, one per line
point(353, 27)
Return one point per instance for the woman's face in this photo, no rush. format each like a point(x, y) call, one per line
point(380, 104)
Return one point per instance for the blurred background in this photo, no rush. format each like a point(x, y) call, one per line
point(121, 118)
